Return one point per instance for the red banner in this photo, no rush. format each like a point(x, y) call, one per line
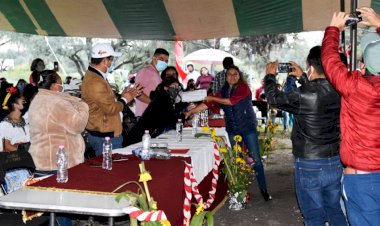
point(178, 56)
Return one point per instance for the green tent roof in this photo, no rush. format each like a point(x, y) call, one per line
point(167, 19)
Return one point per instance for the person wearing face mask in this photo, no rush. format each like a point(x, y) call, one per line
point(149, 78)
point(105, 119)
point(161, 114)
point(56, 118)
point(20, 86)
point(64, 118)
point(37, 66)
point(315, 138)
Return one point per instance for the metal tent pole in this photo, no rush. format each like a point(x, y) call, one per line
point(343, 33)
point(353, 37)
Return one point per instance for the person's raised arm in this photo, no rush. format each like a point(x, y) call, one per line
point(371, 18)
point(285, 101)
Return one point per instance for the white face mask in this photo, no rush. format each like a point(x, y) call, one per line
point(63, 88)
point(110, 69)
point(311, 69)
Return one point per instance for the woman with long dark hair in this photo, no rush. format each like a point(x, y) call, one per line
point(235, 98)
point(160, 114)
point(36, 67)
point(14, 130)
point(14, 135)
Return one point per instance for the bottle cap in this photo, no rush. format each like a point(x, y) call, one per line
point(146, 131)
point(179, 120)
point(107, 138)
point(61, 146)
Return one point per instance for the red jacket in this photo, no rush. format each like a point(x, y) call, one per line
point(360, 112)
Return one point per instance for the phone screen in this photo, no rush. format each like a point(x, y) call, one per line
point(284, 67)
point(56, 67)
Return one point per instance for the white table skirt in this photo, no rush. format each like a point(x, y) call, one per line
point(201, 149)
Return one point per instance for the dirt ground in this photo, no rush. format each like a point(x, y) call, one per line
point(283, 208)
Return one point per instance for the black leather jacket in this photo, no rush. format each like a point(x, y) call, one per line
point(316, 109)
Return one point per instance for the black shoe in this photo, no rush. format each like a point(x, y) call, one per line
point(265, 194)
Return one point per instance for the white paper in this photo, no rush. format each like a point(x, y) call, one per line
point(194, 96)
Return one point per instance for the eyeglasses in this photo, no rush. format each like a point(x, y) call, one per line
point(232, 74)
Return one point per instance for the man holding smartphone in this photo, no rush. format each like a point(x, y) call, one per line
point(315, 138)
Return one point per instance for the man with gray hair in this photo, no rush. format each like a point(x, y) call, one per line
point(359, 118)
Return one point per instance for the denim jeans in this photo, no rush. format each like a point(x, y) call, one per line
point(252, 142)
point(318, 189)
point(361, 194)
point(97, 143)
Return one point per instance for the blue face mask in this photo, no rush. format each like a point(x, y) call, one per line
point(63, 88)
point(21, 87)
point(161, 65)
point(110, 69)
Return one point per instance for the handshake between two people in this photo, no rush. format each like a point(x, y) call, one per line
point(132, 91)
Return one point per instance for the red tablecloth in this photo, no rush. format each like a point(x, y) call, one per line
point(167, 186)
point(219, 122)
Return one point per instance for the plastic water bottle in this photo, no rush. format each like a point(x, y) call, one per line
point(179, 128)
point(107, 154)
point(62, 176)
point(145, 153)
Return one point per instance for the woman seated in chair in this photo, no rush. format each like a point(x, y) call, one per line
point(55, 119)
point(14, 134)
point(161, 113)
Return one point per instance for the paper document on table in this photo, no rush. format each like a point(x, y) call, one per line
point(194, 96)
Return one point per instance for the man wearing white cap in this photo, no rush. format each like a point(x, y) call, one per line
point(104, 118)
point(359, 118)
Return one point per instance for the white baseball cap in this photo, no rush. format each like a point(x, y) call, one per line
point(370, 44)
point(102, 50)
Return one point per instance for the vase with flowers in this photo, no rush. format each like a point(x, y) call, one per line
point(238, 168)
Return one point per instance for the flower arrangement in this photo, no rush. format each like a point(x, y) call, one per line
point(266, 142)
point(238, 166)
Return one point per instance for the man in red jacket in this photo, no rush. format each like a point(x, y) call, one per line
point(359, 118)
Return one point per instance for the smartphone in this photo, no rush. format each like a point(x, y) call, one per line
point(284, 67)
point(56, 67)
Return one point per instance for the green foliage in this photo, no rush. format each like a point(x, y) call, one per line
point(266, 141)
point(198, 219)
point(21, 72)
point(238, 165)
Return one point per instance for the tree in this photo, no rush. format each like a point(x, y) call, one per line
point(256, 45)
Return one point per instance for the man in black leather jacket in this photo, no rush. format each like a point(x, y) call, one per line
point(315, 138)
